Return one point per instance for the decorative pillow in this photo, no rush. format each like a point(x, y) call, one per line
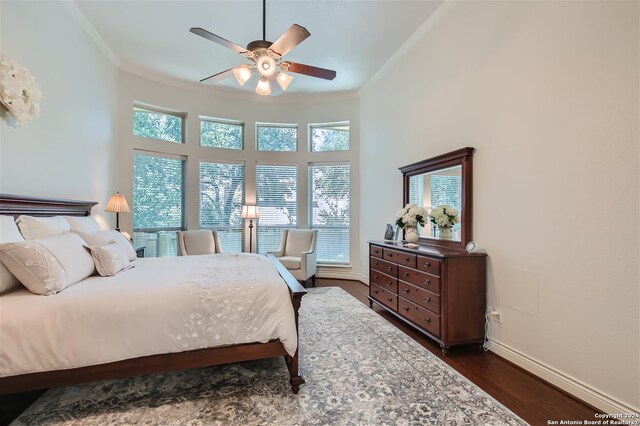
point(9, 233)
point(48, 265)
point(110, 259)
point(83, 223)
point(35, 228)
point(104, 238)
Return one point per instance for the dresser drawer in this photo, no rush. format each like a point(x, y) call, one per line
point(422, 317)
point(384, 280)
point(429, 264)
point(401, 258)
point(385, 297)
point(375, 251)
point(419, 296)
point(421, 279)
point(384, 266)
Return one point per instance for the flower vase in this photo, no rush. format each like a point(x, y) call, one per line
point(411, 234)
point(446, 233)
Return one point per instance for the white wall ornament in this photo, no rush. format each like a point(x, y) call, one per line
point(19, 92)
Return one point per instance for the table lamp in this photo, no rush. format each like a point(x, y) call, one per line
point(117, 204)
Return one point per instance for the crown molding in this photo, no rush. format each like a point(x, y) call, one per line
point(441, 11)
point(84, 23)
point(235, 94)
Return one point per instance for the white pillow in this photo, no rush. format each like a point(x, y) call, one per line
point(9, 233)
point(48, 265)
point(83, 223)
point(35, 228)
point(110, 259)
point(104, 238)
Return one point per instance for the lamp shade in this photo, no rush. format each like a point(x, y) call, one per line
point(249, 212)
point(263, 88)
point(117, 203)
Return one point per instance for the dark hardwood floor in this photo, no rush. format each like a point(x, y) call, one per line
point(531, 398)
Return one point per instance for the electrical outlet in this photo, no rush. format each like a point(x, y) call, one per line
point(495, 315)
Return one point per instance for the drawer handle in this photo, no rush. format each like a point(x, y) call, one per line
point(427, 265)
point(390, 254)
point(406, 274)
point(375, 263)
point(390, 269)
point(390, 299)
point(406, 308)
point(389, 282)
point(406, 259)
point(406, 290)
point(427, 320)
point(427, 281)
point(375, 277)
point(428, 299)
point(375, 291)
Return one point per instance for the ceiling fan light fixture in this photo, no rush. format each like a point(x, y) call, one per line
point(284, 80)
point(263, 88)
point(242, 74)
point(266, 65)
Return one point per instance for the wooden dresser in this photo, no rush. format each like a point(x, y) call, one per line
point(439, 291)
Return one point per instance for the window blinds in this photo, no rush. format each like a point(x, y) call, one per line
point(221, 200)
point(276, 197)
point(329, 211)
point(158, 203)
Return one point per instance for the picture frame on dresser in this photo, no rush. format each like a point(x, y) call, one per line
point(437, 287)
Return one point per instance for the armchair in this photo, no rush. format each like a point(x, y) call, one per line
point(200, 241)
point(298, 253)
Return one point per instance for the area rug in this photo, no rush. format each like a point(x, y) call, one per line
point(359, 370)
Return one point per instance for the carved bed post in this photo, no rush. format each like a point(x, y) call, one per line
point(296, 291)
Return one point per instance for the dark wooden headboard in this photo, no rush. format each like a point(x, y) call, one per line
point(15, 205)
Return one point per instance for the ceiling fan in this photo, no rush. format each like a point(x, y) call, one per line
point(266, 59)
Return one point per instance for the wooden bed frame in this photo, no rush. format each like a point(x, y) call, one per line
point(15, 205)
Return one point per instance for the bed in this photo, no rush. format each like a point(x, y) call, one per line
point(164, 314)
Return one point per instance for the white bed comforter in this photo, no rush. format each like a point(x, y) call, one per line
point(162, 305)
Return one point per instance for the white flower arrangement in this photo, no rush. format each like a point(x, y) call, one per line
point(19, 92)
point(411, 215)
point(444, 216)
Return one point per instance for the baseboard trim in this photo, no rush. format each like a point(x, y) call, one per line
point(336, 273)
point(569, 384)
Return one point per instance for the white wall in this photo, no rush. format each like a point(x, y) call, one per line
point(248, 108)
point(69, 150)
point(547, 93)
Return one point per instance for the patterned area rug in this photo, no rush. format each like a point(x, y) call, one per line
point(359, 370)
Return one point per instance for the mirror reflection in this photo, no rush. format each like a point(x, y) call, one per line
point(434, 190)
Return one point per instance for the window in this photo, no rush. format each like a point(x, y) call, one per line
point(276, 195)
point(221, 134)
point(158, 125)
point(280, 137)
point(158, 203)
point(221, 200)
point(329, 213)
point(416, 190)
point(329, 137)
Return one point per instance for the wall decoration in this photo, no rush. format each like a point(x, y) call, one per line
point(19, 92)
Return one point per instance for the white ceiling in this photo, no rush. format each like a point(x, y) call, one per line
point(354, 38)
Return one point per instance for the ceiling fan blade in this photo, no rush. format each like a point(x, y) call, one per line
point(312, 71)
point(217, 39)
point(218, 77)
point(290, 39)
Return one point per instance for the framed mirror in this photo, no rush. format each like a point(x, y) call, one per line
point(442, 185)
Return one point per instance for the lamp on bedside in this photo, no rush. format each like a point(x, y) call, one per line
point(117, 204)
point(250, 212)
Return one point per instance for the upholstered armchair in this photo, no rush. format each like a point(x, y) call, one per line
point(200, 241)
point(298, 253)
